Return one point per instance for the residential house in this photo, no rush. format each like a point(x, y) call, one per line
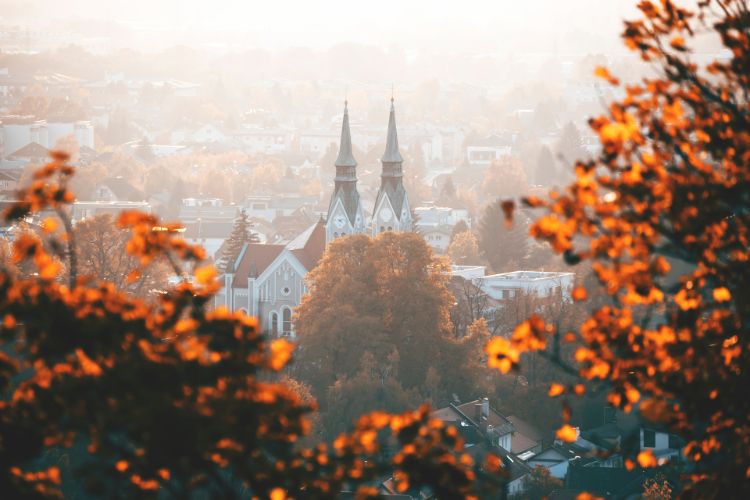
point(527, 439)
point(482, 152)
point(485, 430)
point(32, 152)
point(117, 189)
point(207, 222)
point(9, 180)
point(19, 131)
point(85, 209)
point(436, 224)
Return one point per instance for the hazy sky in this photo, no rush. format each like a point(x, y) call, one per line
point(409, 23)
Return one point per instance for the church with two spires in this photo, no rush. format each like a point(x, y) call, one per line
point(391, 211)
point(268, 280)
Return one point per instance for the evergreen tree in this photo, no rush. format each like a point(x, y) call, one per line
point(241, 234)
point(504, 248)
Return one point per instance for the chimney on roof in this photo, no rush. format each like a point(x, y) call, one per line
point(478, 412)
point(485, 408)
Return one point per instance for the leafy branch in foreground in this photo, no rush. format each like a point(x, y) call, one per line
point(663, 215)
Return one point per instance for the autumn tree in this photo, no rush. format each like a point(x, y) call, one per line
point(102, 255)
point(503, 247)
point(373, 386)
point(657, 488)
point(106, 395)
point(539, 484)
point(663, 214)
point(463, 249)
point(356, 305)
point(355, 329)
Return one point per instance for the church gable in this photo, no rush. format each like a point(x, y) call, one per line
point(338, 221)
point(282, 281)
point(384, 218)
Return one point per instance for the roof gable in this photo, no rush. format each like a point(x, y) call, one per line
point(31, 150)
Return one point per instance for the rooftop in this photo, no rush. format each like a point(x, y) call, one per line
point(528, 275)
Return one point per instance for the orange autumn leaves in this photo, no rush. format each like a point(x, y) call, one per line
point(663, 216)
point(531, 335)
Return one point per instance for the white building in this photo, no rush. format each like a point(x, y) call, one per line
point(435, 224)
point(19, 131)
point(543, 284)
point(85, 209)
point(485, 151)
point(468, 272)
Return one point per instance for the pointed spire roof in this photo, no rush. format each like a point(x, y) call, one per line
point(392, 155)
point(345, 157)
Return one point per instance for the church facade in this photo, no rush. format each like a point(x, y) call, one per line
point(391, 212)
point(268, 281)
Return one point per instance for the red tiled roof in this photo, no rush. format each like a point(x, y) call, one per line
point(255, 259)
point(308, 248)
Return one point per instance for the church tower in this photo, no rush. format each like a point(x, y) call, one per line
point(345, 214)
point(392, 211)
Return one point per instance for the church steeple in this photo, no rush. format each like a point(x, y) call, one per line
point(345, 157)
point(392, 211)
point(345, 214)
point(392, 154)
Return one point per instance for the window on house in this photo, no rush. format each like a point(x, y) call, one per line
point(274, 323)
point(649, 439)
point(287, 321)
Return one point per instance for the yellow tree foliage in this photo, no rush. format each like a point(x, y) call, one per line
point(663, 215)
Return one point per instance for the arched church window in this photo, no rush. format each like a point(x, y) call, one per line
point(390, 228)
point(274, 323)
point(335, 235)
point(382, 228)
point(286, 321)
